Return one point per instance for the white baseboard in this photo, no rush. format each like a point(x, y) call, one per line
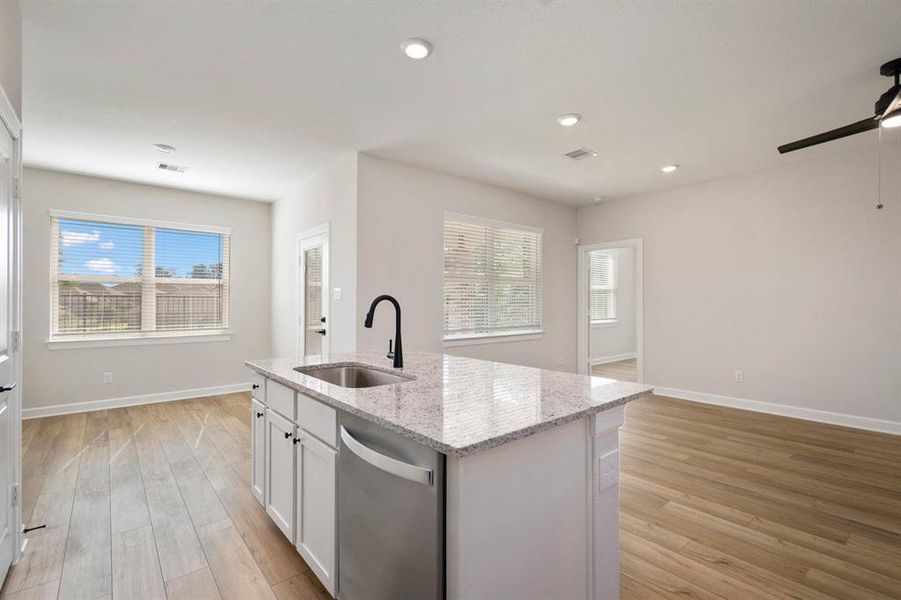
point(797, 412)
point(77, 407)
point(603, 360)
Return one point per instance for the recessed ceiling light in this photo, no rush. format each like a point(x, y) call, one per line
point(598, 199)
point(164, 148)
point(892, 119)
point(669, 168)
point(416, 48)
point(569, 119)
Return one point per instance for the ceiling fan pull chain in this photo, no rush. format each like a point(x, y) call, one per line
point(879, 204)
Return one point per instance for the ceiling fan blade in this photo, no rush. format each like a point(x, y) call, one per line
point(820, 138)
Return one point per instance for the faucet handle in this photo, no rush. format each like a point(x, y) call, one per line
point(390, 348)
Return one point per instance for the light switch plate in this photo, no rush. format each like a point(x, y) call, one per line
point(337, 294)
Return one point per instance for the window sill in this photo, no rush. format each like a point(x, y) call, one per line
point(500, 338)
point(218, 335)
point(600, 324)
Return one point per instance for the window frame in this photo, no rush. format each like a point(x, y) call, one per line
point(496, 336)
point(611, 289)
point(150, 336)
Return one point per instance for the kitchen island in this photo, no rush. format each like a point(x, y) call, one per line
point(452, 477)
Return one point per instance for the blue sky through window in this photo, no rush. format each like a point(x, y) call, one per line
point(106, 249)
point(178, 251)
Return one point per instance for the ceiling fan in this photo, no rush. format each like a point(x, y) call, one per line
point(888, 114)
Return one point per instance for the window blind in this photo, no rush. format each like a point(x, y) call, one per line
point(313, 299)
point(132, 279)
point(492, 279)
point(602, 278)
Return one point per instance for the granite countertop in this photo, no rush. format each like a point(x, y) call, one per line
point(457, 405)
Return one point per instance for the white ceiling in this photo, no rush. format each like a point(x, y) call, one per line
point(256, 96)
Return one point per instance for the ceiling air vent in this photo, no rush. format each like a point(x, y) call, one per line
point(171, 167)
point(581, 153)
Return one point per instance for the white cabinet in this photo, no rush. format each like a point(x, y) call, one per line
point(317, 418)
point(258, 388)
point(281, 399)
point(258, 449)
point(279, 472)
point(316, 507)
point(294, 471)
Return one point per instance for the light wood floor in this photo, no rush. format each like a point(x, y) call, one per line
point(150, 502)
point(716, 503)
point(624, 370)
point(722, 503)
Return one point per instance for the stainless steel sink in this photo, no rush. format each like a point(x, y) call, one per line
point(353, 376)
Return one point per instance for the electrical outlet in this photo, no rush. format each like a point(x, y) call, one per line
point(608, 470)
point(739, 376)
point(108, 377)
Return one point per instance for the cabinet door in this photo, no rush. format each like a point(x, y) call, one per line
point(316, 507)
point(279, 472)
point(258, 449)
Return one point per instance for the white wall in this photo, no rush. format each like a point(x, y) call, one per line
point(789, 274)
point(53, 377)
point(400, 252)
point(617, 339)
point(328, 196)
point(11, 52)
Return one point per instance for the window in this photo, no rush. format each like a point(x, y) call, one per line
point(492, 278)
point(115, 278)
point(602, 282)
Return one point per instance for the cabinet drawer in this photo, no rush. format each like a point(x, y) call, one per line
point(258, 387)
point(317, 418)
point(281, 399)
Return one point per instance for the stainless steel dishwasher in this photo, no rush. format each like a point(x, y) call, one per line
point(390, 515)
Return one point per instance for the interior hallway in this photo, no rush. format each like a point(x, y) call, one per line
point(624, 370)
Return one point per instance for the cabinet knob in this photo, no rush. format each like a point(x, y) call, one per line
point(259, 415)
point(297, 440)
point(255, 386)
point(287, 435)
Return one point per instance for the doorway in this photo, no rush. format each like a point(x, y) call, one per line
point(610, 310)
point(10, 364)
point(313, 292)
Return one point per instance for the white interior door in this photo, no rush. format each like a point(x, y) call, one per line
point(313, 335)
point(9, 450)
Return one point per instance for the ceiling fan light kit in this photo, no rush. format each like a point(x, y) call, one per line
point(892, 119)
